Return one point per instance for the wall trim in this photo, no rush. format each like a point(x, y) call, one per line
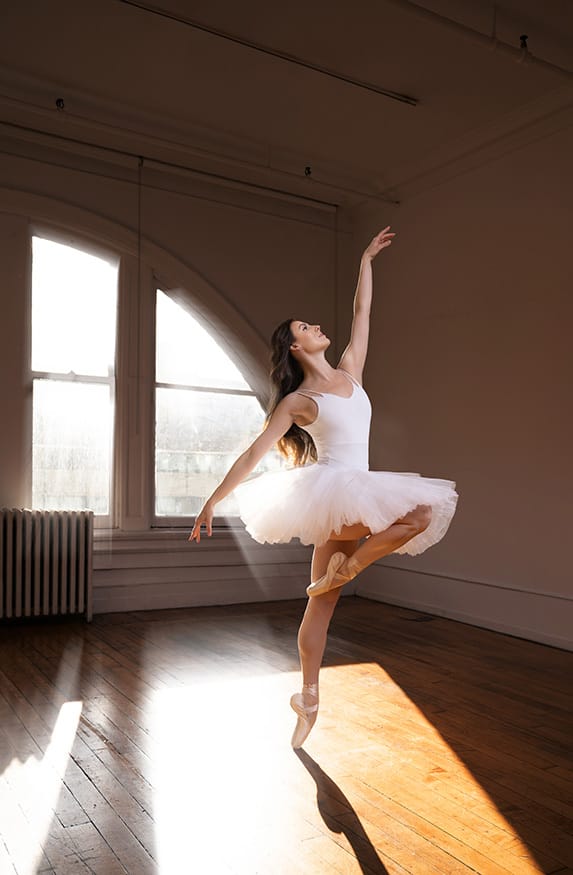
point(100, 123)
point(546, 618)
point(136, 571)
point(492, 583)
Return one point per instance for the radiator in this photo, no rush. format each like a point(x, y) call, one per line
point(45, 563)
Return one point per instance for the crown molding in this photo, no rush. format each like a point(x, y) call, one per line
point(91, 123)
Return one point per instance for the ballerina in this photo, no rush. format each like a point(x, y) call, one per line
point(319, 418)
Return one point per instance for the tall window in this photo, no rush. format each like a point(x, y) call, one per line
point(74, 302)
point(206, 415)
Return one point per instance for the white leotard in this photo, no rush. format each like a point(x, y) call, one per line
point(341, 429)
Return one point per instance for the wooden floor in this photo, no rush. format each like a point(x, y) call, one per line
point(160, 742)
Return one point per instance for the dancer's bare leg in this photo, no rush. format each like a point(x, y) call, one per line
point(319, 609)
point(375, 545)
point(314, 627)
point(382, 543)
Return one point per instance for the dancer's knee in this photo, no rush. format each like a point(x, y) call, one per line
point(418, 519)
point(314, 627)
point(423, 517)
point(317, 616)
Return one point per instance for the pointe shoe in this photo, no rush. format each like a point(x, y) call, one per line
point(306, 715)
point(333, 577)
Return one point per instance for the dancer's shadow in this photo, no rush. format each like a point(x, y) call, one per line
point(327, 792)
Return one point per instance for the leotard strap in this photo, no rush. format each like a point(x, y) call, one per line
point(354, 380)
point(313, 395)
point(308, 393)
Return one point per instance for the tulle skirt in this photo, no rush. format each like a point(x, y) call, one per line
point(312, 501)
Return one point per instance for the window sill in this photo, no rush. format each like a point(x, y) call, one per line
point(176, 540)
point(168, 533)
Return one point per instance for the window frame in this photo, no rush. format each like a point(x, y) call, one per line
point(228, 522)
point(87, 246)
point(132, 451)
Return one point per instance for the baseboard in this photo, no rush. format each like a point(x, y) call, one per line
point(540, 617)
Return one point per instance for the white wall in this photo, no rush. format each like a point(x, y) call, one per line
point(470, 372)
point(469, 368)
point(246, 261)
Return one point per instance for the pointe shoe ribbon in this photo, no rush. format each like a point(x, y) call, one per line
point(333, 577)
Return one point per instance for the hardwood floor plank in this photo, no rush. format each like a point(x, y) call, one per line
point(94, 850)
point(6, 865)
point(484, 748)
point(440, 748)
point(23, 845)
point(124, 840)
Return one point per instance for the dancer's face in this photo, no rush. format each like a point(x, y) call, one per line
point(307, 337)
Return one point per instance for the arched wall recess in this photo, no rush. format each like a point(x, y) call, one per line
point(134, 541)
point(182, 281)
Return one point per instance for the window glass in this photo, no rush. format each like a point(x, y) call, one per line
point(74, 297)
point(199, 433)
point(187, 354)
point(71, 452)
point(74, 302)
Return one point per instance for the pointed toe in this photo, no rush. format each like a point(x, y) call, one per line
point(306, 715)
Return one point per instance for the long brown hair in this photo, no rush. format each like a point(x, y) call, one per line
point(286, 375)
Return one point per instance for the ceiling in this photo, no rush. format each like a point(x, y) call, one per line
point(195, 87)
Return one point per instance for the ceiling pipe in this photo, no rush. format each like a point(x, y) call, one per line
point(520, 55)
point(275, 53)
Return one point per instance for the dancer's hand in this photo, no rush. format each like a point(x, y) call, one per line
point(380, 241)
point(204, 517)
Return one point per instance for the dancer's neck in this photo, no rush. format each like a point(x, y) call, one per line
point(316, 368)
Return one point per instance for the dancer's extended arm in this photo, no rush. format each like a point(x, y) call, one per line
point(354, 356)
point(278, 425)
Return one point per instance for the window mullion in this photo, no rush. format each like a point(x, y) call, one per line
point(216, 390)
point(72, 377)
point(135, 415)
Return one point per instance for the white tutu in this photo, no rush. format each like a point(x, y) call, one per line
point(312, 501)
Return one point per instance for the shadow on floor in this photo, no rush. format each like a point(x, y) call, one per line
point(339, 816)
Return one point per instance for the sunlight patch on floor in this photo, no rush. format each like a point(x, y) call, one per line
point(223, 766)
point(36, 784)
point(401, 739)
point(35, 781)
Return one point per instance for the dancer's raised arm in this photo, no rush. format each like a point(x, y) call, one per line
point(278, 425)
point(354, 356)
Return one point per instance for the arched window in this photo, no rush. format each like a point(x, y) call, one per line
point(74, 304)
point(206, 414)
